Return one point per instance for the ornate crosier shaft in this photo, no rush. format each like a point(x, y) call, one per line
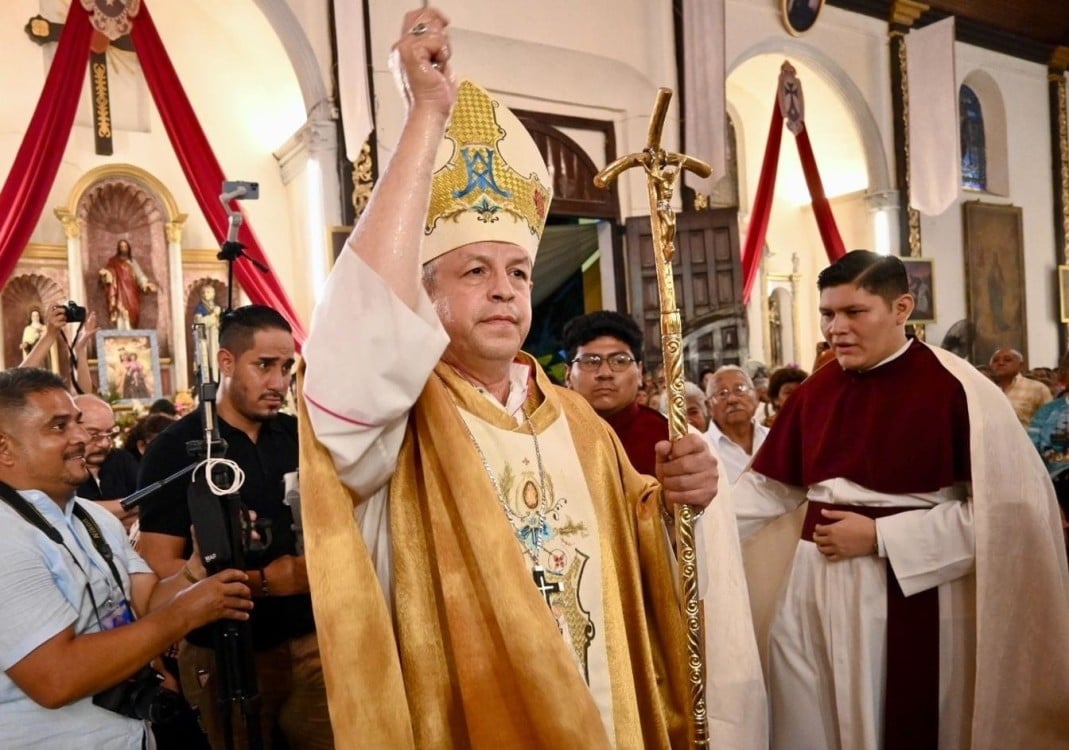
point(662, 171)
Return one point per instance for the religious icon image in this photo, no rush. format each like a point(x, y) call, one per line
point(34, 329)
point(800, 15)
point(124, 282)
point(919, 272)
point(129, 365)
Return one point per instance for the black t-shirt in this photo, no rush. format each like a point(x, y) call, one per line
point(117, 477)
point(275, 618)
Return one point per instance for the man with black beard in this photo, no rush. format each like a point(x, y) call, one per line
point(255, 361)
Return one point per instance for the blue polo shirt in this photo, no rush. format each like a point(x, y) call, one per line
point(42, 592)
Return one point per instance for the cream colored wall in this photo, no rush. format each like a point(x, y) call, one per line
point(1023, 87)
point(602, 59)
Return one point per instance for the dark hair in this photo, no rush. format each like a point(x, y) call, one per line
point(163, 406)
point(16, 383)
point(781, 377)
point(146, 428)
point(238, 326)
point(883, 275)
point(585, 328)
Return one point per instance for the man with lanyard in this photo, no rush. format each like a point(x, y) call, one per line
point(524, 594)
point(72, 586)
point(256, 356)
point(929, 550)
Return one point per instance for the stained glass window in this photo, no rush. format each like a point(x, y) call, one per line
point(973, 147)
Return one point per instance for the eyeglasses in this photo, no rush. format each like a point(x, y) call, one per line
point(618, 362)
point(725, 393)
point(97, 435)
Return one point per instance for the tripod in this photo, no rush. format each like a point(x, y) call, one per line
point(217, 522)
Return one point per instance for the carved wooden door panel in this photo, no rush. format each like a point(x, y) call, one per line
point(708, 283)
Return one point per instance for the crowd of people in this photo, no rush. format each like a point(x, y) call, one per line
point(483, 558)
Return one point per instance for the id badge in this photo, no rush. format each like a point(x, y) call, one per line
point(118, 616)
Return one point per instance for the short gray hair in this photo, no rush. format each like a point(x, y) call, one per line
point(711, 389)
point(693, 390)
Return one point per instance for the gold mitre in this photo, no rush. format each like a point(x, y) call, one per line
point(490, 183)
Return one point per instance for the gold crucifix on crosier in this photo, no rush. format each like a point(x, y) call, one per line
point(662, 172)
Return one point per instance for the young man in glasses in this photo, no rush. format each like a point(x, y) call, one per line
point(112, 473)
point(604, 352)
point(733, 432)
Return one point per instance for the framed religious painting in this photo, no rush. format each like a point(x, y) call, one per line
point(799, 16)
point(994, 279)
point(128, 364)
point(922, 287)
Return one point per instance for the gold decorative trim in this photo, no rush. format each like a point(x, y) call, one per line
point(200, 256)
point(100, 97)
point(1059, 59)
point(913, 217)
point(1063, 158)
point(123, 170)
point(45, 252)
point(906, 12)
point(363, 183)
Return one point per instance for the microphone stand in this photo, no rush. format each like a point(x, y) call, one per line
point(231, 249)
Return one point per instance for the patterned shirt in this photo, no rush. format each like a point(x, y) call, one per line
point(1026, 396)
point(1050, 434)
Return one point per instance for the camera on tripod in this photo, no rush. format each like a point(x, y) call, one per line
point(73, 312)
point(141, 697)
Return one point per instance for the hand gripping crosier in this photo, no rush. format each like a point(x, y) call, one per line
point(662, 171)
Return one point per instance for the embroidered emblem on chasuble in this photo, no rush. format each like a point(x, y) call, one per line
point(565, 523)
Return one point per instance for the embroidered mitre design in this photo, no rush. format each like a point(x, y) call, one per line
point(490, 183)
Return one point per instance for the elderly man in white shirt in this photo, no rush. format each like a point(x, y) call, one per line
point(733, 432)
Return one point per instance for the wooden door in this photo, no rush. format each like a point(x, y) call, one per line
point(708, 283)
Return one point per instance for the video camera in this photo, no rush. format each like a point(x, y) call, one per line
point(141, 697)
point(73, 312)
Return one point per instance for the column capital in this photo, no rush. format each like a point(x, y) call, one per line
point(71, 227)
point(173, 229)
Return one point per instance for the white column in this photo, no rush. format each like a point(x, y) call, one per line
point(884, 208)
point(308, 161)
point(179, 346)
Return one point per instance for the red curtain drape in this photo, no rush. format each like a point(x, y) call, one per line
point(34, 171)
point(762, 208)
point(201, 167)
point(762, 205)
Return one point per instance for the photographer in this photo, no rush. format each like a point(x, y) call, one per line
point(73, 588)
point(58, 316)
point(255, 365)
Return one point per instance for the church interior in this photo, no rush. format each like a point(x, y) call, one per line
point(298, 97)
